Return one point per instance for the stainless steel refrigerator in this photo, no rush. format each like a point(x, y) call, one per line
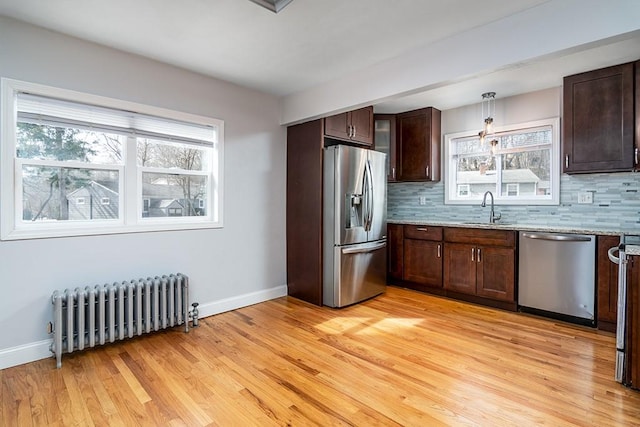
point(354, 225)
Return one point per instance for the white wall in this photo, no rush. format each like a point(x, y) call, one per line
point(542, 104)
point(240, 264)
point(551, 28)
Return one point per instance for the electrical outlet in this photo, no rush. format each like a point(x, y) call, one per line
point(585, 197)
point(422, 200)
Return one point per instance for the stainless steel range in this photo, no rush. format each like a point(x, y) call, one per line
point(629, 246)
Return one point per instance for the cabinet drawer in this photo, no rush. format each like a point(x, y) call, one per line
point(478, 236)
point(422, 232)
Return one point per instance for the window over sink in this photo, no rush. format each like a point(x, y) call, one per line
point(520, 167)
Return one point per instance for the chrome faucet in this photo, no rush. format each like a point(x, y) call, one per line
point(493, 217)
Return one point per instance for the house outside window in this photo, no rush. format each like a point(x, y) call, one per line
point(463, 190)
point(91, 165)
point(523, 168)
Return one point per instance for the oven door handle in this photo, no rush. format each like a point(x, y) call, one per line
point(614, 259)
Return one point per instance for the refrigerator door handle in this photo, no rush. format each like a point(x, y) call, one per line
point(365, 199)
point(364, 248)
point(370, 194)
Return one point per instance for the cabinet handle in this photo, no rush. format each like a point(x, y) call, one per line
point(636, 155)
point(350, 131)
point(439, 251)
point(393, 171)
point(354, 132)
point(473, 254)
point(479, 260)
point(422, 229)
point(566, 161)
point(427, 171)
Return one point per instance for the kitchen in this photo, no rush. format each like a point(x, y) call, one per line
point(265, 263)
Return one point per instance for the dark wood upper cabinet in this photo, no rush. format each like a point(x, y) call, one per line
point(418, 145)
point(598, 120)
point(353, 126)
point(636, 150)
point(385, 141)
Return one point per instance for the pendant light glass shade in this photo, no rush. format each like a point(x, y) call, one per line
point(488, 110)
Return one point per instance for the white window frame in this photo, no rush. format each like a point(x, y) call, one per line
point(512, 185)
point(130, 217)
point(450, 184)
point(460, 187)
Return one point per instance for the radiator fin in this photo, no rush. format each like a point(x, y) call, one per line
point(85, 318)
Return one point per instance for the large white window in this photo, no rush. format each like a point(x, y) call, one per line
point(518, 164)
point(78, 164)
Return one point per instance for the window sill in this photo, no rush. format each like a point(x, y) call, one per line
point(49, 233)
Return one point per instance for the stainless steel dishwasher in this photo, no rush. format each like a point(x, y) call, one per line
point(557, 276)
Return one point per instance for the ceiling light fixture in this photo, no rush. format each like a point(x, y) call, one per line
point(488, 110)
point(273, 5)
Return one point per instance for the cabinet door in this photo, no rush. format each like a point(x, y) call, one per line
point(385, 141)
point(599, 120)
point(636, 151)
point(460, 268)
point(362, 122)
point(423, 262)
point(418, 145)
point(607, 284)
point(396, 253)
point(337, 126)
point(496, 273)
point(633, 323)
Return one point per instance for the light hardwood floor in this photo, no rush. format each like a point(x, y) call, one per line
point(404, 358)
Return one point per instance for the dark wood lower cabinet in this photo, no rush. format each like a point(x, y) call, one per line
point(607, 284)
point(423, 263)
point(633, 323)
point(631, 377)
point(395, 252)
point(496, 273)
point(475, 265)
point(460, 268)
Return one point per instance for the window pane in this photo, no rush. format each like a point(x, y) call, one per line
point(173, 195)
point(66, 194)
point(475, 175)
point(46, 142)
point(531, 170)
point(159, 154)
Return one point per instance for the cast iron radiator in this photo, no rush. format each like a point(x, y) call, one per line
point(88, 317)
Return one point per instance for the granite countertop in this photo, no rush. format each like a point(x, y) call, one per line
point(518, 227)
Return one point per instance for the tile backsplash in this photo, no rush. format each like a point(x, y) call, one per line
point(616, 204)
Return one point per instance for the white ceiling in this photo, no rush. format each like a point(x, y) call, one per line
point(310, 42)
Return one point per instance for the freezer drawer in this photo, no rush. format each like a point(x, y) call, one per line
point(355, 273)
point(557, 275)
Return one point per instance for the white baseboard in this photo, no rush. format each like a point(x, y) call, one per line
point(40, 350)
point(228, 304)
point(25, 353)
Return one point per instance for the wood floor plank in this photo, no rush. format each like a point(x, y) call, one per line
point(401, 359)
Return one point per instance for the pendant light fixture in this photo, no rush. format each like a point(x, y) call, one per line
point(488, 110)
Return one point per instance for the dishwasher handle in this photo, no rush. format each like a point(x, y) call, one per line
point(556, 237)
